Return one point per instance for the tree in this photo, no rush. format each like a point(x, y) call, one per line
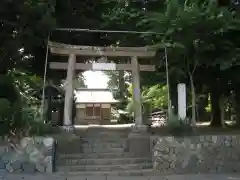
point(187, 29)
point(153, 98)
point(157, 95)
point(79, 81)
point(118, 83)
point(24, 26)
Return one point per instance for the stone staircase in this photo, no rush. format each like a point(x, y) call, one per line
point(101, 151)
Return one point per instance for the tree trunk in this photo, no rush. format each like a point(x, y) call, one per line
point(121, 84)
point(121, 90)
point(237, 101)
point(193, 121)
point(49, 110)
point(202, 114)
point(216, 111)
point(221, 105)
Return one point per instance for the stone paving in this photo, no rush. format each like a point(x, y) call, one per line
point(76, 177)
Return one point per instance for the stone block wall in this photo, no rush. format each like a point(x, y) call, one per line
point(197, 154)
point(32, 154)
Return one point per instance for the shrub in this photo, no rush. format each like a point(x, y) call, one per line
point(5, 107)
point(7, 116)
point(39, 128)
point(21, 121)
point(178, 127)
point(125, 118)
point(34, 124)
point(17, 111)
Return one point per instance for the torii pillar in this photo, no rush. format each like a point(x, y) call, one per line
point(138, 139)
point(69, 93)
point(136, 92)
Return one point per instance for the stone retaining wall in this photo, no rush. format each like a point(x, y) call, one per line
point(197, 154)
point(32, 154)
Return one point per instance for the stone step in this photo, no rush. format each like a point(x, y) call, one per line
point(95, 155)
point(110, 139)
point(103, 133)
point(107, 136)
point(115, 161)
point(103, 129)
point(103, 145)
point(102, 150)
point(90, 132)
point(142, 172)
point(82, 168)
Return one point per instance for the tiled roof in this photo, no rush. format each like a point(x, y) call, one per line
point(94, 96)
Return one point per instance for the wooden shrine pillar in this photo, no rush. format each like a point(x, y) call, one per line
point(69, 90)
point(137, 104)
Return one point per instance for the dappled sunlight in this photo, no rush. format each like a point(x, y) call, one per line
point(208, 123)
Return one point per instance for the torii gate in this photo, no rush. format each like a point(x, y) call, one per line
point(71, 66)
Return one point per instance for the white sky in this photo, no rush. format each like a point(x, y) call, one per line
point(95, 79)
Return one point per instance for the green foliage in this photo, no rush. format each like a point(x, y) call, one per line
point(154, 97)
point(24, 25)
point(5, 108)
point(32, 122)
point(26, 123)
point(146, 105)
point(8, 90)
point(11, 120)
point(118, 84)
point(178, 127)
point(202, 38)
point(5, 112)
point(157, 96)
point(195, 30)
point(20, 115)
point(125, 119)
point(39, 128)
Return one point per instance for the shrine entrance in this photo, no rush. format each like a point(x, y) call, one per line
point(94, 106)
point(73, 51)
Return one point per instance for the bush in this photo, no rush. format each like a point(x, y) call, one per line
point(125, 119)
point(6, 116)
point(22, 121)
point(35, 125)
point(17, 117)
point(39, 128)
point(5, 108)
point(178, 127)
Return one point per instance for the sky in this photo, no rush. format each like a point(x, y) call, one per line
point(95, 79)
